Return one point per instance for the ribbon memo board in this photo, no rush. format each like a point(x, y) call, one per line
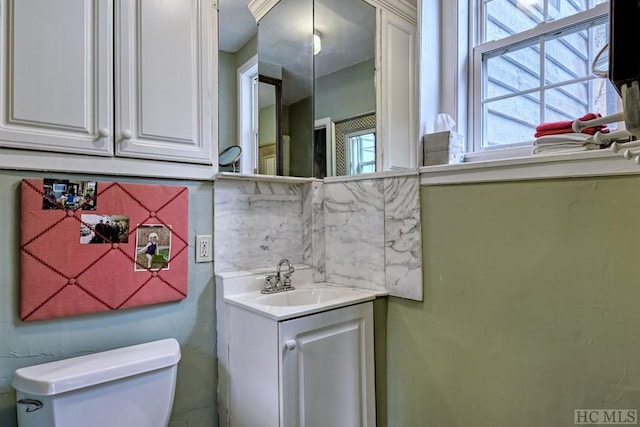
point(91, 246)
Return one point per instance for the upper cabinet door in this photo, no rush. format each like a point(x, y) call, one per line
point(164, 78)
point(56, 62)
point(398, 88)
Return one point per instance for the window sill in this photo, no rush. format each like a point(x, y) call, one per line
point(545, 166)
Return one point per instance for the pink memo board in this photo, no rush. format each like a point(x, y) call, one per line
point(92, 246)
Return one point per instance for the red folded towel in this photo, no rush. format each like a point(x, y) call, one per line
point(589, 131)
point(543, 127)
point(556, 128)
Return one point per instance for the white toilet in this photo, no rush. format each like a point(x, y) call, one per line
point(127, 387)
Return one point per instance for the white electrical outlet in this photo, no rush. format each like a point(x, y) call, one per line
point(203, 248)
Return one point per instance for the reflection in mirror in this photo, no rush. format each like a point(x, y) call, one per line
point(361, 149)
point(344, 98)
point(237, 88)
point(345, 95)
point(270, 149)
point(285, 54)
point(230, 157)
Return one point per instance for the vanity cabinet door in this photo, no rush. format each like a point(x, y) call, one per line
point(164, 80)
point(327, 369)
point(56, 88)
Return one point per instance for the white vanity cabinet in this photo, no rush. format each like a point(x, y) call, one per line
point(311, 371)
point(126, 78)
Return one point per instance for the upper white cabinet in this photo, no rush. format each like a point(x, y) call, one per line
point(56, 65)
point(129, 78)
point(397, 88)
point(163, 79)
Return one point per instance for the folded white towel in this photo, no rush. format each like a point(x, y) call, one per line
point(557, 148)
point(564, 142)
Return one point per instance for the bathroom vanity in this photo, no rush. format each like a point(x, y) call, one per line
point(297, 358)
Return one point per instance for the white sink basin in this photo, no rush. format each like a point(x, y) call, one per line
point(309, 296)
point(305, 299)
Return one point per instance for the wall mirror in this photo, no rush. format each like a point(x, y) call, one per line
point(322, 122)
point(344, 94)
point(285, 54)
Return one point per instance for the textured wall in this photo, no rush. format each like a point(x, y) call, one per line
point(531, 308)
point(191, 321)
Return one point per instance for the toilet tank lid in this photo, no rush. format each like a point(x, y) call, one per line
point(84, 371)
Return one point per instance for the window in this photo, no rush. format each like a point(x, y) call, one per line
point(361, 147)
point(532, 64)
point(248, 115)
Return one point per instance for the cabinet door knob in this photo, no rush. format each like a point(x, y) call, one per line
point(290, 344)
point(104, 133)
point(126, 134)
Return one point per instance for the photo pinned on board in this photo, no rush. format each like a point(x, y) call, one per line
point(153, 247)
point(104, 229)
point(66, 194)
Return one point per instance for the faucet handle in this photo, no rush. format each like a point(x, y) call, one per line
point(286, 280)
point(270, 283)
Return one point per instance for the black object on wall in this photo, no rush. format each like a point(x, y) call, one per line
point(624, 42)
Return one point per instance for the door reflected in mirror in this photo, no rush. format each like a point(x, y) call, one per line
point(270, 149)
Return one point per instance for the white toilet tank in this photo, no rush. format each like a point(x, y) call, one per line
point(126, 387)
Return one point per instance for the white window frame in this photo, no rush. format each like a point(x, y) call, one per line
point(347, 142)
point(447, 30)
point(474, 147)
point(248, 115)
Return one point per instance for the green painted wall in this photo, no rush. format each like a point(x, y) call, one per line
point(346, 93)
point(267, 125)
point(191, 321)
point(228, 100)
point(531, 307)
point(249, 49)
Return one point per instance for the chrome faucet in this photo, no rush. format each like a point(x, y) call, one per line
point(285, 277)
point(281, 281)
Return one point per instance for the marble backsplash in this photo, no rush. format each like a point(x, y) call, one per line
point(354, 233)
point(363, 233)
point(257, 223)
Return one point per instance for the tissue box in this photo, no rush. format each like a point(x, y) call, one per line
point(441, 148)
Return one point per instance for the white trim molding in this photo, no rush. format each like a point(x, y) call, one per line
point(556, 166)
point(401, 8)
point(259, 8)
point(11, 159)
